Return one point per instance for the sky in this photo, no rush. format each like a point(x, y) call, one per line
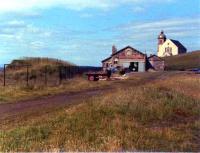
point(83, 31)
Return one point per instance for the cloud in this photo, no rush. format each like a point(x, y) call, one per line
point(162, 23)
point(137, 34)
point(12, 29)
point(13, 24)
point(179, 26)
point(24, 5)
point(138, 9)
point(143, 35)
point(37, 45)
point(86, 15)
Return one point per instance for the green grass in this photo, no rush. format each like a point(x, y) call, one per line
point(152, 117)
point(183, 62)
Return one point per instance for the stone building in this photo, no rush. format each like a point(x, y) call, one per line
point(156, 63)
point(126, 58)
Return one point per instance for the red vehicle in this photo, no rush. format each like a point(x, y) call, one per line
point(95, 76)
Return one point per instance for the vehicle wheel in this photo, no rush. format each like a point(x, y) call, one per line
point(91, 78)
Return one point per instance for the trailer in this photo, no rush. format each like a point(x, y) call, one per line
point(96, 76)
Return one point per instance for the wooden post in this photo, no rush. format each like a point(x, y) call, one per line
point(4, 75)
point(60, 77)
point(45, 73)
point(27, 76)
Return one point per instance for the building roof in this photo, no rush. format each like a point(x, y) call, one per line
point(155, 57)
point(122, 51)
point(107, 59)
point(178, 44)
point(162, 35)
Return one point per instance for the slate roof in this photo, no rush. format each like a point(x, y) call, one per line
point(122, 51)
point(178, 44)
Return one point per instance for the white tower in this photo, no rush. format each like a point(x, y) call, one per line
point(161, 39)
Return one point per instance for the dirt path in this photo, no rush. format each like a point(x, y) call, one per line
point(13, 109)
point(61, 100)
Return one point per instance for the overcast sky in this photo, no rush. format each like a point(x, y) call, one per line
point(83, 31)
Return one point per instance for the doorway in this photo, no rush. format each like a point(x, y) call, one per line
point(134, 66)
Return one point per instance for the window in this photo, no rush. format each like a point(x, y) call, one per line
point(168, 51)
point(116, 61)
point(128, 52)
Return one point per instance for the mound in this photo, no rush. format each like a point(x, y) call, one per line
point(186, 61)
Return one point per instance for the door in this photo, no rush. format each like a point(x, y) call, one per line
point(134, 66)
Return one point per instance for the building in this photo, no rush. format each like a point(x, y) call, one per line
point(156, 63)
point(126, 58)
point(169, 47)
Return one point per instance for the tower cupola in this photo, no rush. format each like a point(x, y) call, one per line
point(161, 38)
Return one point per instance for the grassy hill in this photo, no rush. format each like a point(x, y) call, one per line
point(42, 71)
point(183, 62)
point(37, 62)
point(39, 70)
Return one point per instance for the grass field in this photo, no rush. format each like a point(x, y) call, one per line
point(22, 92)
point(162, 115)
point(183, 62)
point(16, 88)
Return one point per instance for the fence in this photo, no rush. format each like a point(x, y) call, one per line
point(48, 75)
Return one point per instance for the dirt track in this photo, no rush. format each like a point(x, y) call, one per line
point(8, 111)
point(14, 109)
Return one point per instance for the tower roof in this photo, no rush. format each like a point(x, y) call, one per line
point(162, 35)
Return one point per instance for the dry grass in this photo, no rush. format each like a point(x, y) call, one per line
point(183, 62)
point(18, 67)
point(186, 84)
point(43, 79)
point(17, 93)
point(41, 71)
point(153, 117)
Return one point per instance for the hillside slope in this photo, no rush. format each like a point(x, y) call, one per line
point(40, 70)
point(37, 62)
point(183, 62)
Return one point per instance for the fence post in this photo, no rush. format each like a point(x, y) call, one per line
point(45, 75)
point(65, 72)
point(27, 76)
point(60, 78)
point(4, 75)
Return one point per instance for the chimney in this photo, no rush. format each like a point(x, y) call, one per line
point(114, 49)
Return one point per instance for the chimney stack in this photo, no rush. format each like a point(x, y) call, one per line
point(114, 49)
